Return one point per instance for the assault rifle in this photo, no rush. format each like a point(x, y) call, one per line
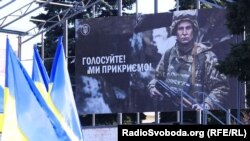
point(173, 94)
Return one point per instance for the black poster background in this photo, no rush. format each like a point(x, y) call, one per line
point(127, 91)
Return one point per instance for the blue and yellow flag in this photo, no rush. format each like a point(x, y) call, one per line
point(1, 108)
point(26, 115)
point(1, 99)
point(41, 80)
point(39, 73)
point(61, 91)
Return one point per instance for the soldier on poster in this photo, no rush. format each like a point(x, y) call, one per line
point(187, 70)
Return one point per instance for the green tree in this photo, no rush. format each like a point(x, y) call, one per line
point(104, 8)
point(192, 4)
point(236, 63)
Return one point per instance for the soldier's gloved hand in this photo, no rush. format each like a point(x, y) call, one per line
point(199, 107)
point(155, 94)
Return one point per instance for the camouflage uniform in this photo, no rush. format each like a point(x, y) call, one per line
point(176, 71)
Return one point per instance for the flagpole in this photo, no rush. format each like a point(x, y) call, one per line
point(65, 40)
point(42, 51)
point(19, 47)
point(119, 115)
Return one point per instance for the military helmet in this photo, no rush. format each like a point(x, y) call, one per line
point(184, 15)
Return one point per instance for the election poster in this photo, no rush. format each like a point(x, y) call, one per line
point(162, 62)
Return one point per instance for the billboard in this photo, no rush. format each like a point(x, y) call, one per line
point(153, 62)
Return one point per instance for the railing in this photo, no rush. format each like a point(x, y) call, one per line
point(186, 99)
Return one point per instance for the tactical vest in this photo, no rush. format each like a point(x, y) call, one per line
point(179, 73)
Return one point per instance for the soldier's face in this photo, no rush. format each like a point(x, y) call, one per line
point(184, 32)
